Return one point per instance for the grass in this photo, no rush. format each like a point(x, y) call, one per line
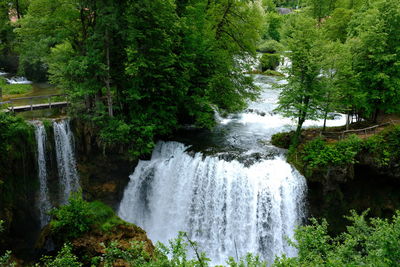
point(14, 89)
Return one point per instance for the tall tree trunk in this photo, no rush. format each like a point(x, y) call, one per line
point(17, 9)
point(325, 117)
point(302, 119)
point(108, 78)
point(347, 121)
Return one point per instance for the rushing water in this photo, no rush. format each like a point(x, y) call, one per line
point(18, 80)
point(43, 204)
point(238, 196)
point(64, 144)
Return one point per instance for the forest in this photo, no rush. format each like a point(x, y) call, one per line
point(139, 71)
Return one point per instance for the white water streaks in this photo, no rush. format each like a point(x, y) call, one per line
point(43, 204)
point(18, 80)
point(225, 207)
point(64, 141)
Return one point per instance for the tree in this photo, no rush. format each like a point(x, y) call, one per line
point(301, 97)
point(273, 26)
point(336, 27)
point(375, 41)
point(366, 242)
point(319, 9)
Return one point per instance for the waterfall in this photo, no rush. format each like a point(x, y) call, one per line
point(227, 208)
point(18, 80)
point(64, 141)
point(44, 204)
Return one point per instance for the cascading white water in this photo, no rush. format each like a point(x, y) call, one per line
point(43, 204)
point(18, 80)
point(64, 141)
point(224, 206)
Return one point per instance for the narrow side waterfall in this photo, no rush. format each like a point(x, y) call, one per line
point(229, 209)
point(64, 141)
point(43, 204)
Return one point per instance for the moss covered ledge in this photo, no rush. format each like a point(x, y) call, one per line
point(354, 173)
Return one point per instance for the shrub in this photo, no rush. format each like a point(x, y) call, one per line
point(79, 216)
point(270, 61)
point(385, 146)
point(270, 46)
point(365, 243)
point(72, 220)
point(317, 153)
point(64, 258)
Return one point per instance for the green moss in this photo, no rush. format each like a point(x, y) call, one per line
point(318, 154)
point(273, 73)
point(282, 140)
point(18, 169)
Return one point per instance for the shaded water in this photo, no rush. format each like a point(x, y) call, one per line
point(66, 163)
point(43, 204)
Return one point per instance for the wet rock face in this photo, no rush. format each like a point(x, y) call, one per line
point(104, 174)
point(334, 191)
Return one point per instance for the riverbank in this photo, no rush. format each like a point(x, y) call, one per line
point(354, 173)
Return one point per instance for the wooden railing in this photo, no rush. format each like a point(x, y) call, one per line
point(31, 105)
point(342, 134)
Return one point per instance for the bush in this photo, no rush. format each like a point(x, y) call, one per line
point(270, 46)
point(282, 140)
point(72, 220)
point(270, 61)
point(365, 243)
point(317, 153)
point(79, 216)
point(64, 258)
point(385, 146)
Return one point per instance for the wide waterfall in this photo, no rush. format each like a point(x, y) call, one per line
point(64, 143)
point(227, 208)
point(43, 204)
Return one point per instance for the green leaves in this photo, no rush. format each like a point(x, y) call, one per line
point(318, 154)
point(365, 243)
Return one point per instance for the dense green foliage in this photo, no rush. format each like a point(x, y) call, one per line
point(366, 243)
point(384, 146)
point(79, 216)
point(318, 154)
point(65, 257)
point(299, 97)
point(139, 70)
point(269, 61)
point(344, 60)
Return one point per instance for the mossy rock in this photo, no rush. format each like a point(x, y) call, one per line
point(270, 61)
point(273, 73)
point(282, 140)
